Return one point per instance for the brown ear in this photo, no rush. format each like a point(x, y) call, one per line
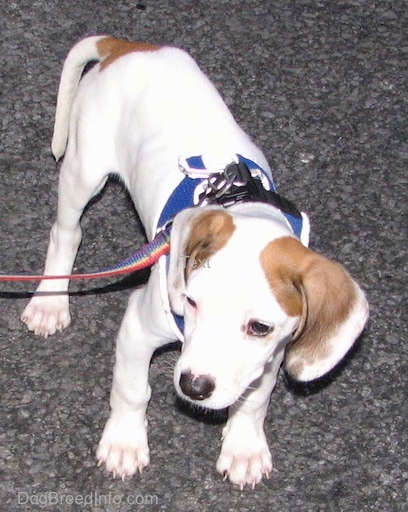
point(196, 235)
point(209, 233)
point(333, 313)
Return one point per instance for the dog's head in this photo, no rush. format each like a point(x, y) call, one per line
point(250, 293)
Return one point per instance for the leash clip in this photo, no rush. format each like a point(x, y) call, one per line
point(229, 187)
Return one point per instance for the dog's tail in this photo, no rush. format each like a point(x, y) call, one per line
point(80, 55)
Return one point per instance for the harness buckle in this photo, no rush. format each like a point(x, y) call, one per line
point(233, 185)
point(236, 184)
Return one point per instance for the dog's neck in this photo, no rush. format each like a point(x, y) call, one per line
point(269, 212)
point(300, 227)
point(261, 210)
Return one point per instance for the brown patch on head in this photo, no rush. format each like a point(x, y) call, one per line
point(210, 232)
point(111, 48)
point(309, 285)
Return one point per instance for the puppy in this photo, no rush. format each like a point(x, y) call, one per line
point(240, 288)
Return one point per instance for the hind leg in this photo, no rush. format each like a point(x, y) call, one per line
point(48, 310)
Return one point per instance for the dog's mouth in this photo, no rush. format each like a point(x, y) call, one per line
point(208, 404)
point(204, 392)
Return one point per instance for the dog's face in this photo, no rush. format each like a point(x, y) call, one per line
point(248, 291)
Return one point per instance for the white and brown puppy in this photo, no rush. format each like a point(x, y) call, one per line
point(258, 293)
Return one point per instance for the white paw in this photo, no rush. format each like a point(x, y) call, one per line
point(44, 315)
point(123, 447)
point(245, 457)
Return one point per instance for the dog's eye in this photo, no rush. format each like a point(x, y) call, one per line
point(257, 328)
point(191, 302)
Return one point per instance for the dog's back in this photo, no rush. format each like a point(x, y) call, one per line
point(175, 93)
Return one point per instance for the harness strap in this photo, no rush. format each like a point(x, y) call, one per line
point(261, 189)
point(183, 196)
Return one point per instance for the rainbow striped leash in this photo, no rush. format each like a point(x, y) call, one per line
point(144, 257)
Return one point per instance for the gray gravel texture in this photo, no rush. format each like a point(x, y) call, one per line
point(321, 86)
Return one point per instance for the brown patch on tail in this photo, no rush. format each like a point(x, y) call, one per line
point(112, 48)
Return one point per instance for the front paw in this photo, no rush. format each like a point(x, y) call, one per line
point(44, 315)
point(123, 447)
point(245, 457)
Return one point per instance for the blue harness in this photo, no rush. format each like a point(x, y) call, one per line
point(183, 195)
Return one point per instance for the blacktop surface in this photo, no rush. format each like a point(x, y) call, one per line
point(322, 87)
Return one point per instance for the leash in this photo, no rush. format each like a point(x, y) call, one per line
point(144, 257)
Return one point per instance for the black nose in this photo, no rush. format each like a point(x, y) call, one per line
point(196, 387)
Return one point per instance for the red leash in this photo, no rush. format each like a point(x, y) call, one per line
point(144, 257)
